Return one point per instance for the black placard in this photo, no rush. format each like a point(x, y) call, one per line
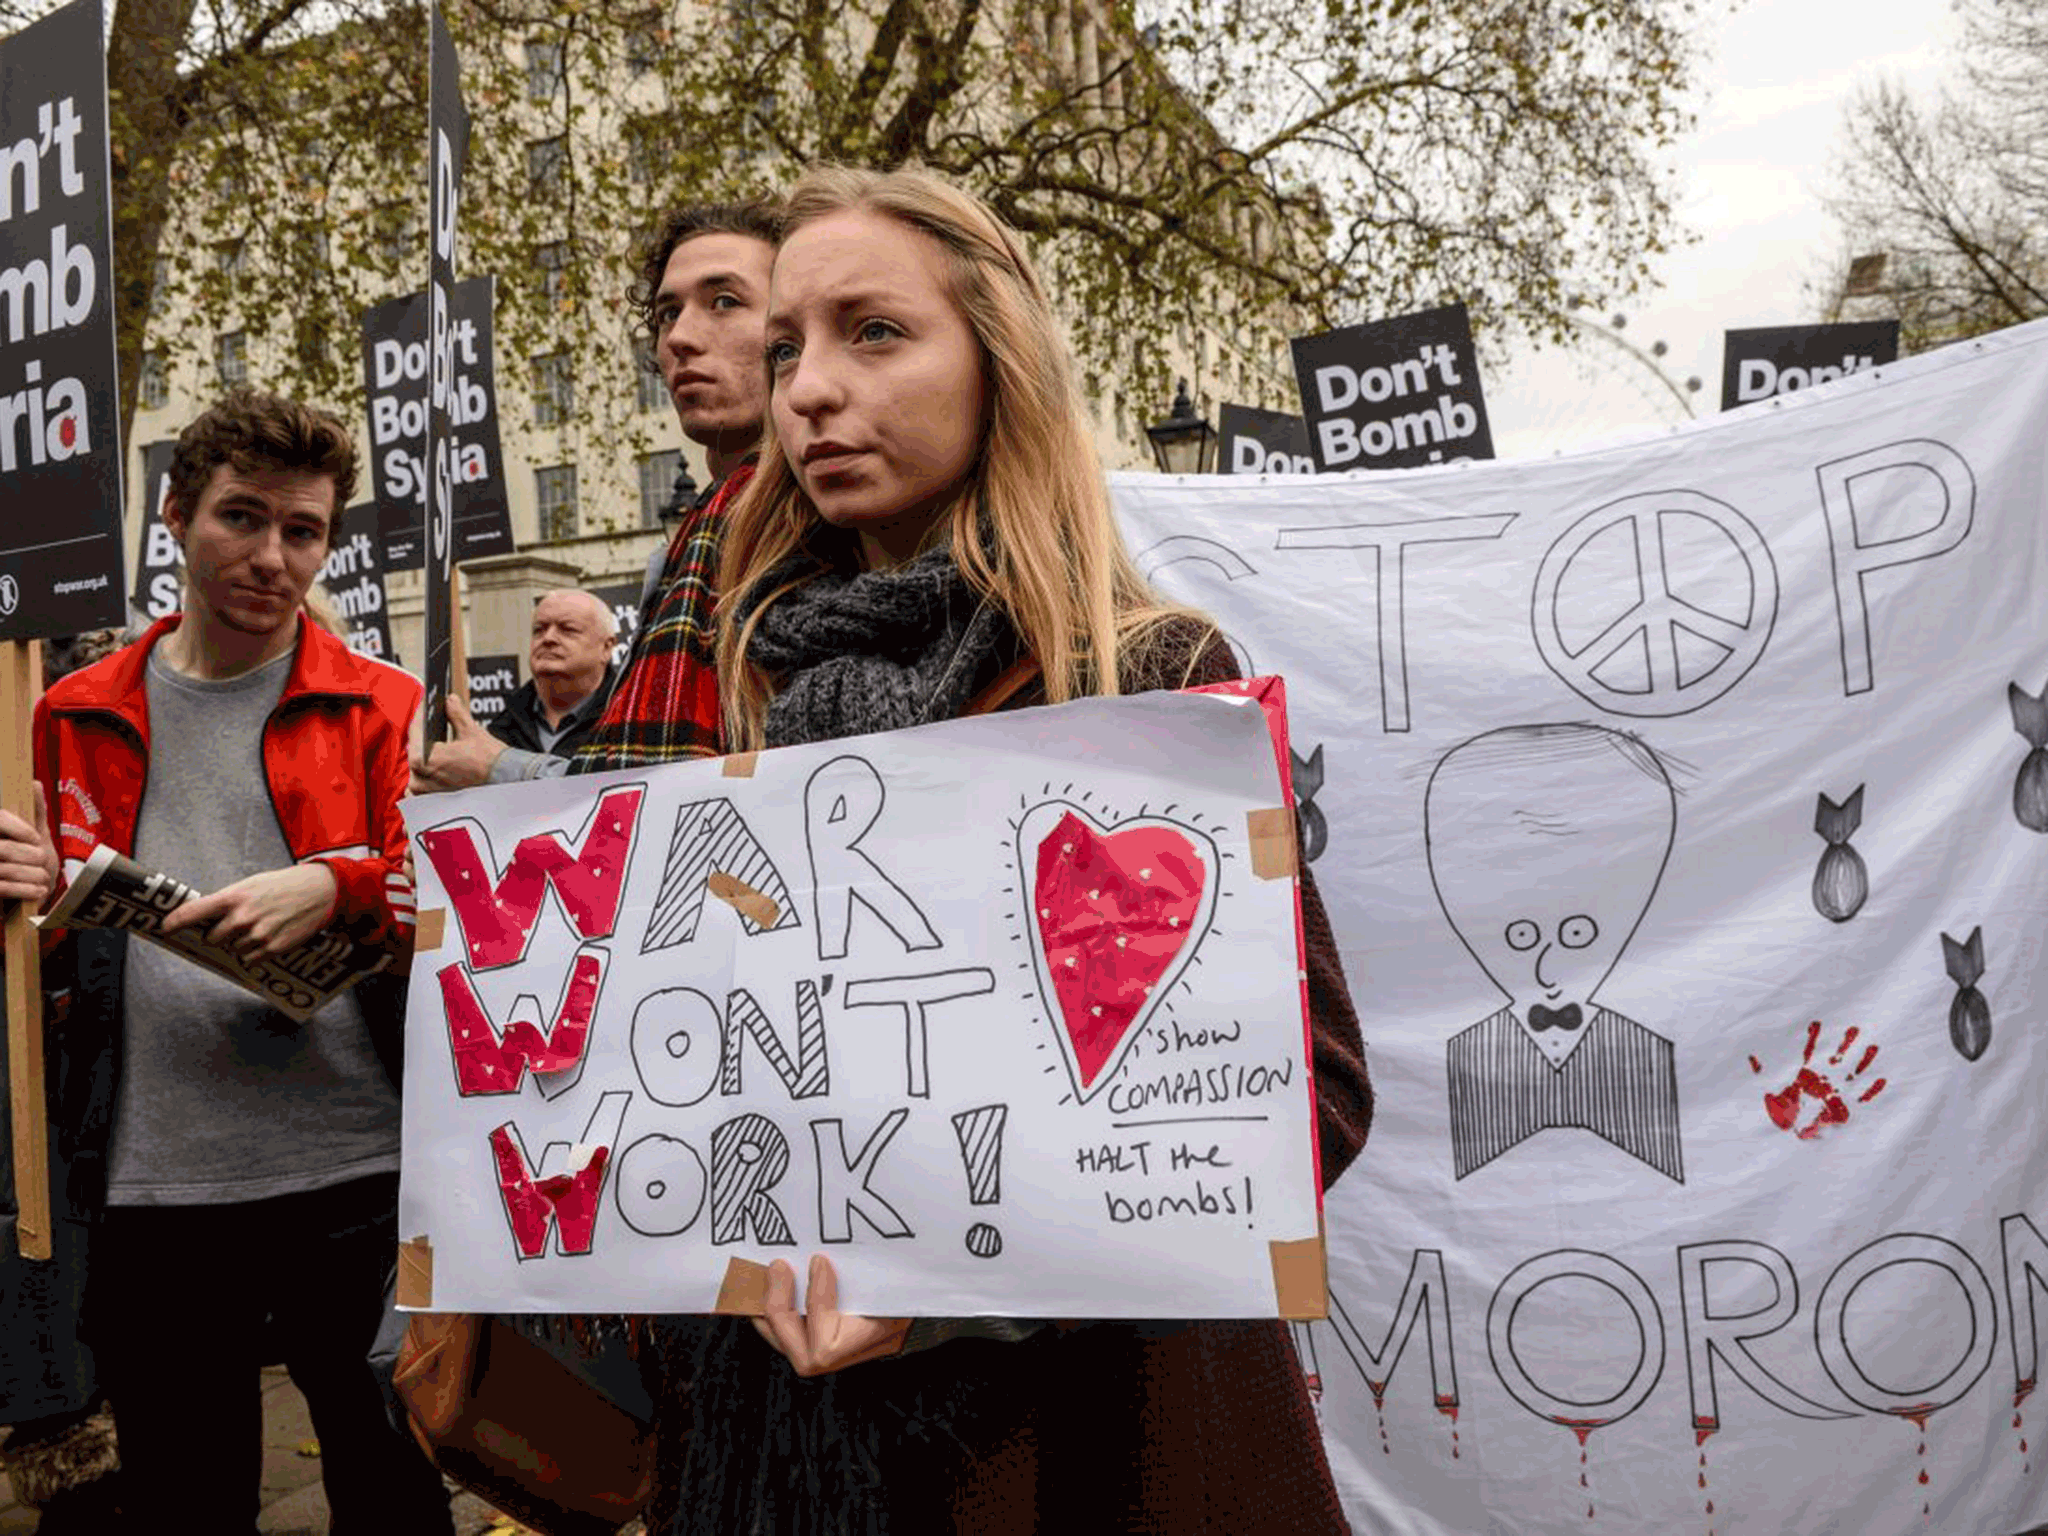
point(1256, 442)
point(395, 390)
point(447, 145)
point(354, 578)
point(1775, 360)
point(159, 564)
point(60, 449)
point(1394, 393)
point(492, 682)
point(624, 602)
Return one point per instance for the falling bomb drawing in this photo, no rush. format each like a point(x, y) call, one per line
point(2030, 789)
point(1841, 883)
point(1969, 1016)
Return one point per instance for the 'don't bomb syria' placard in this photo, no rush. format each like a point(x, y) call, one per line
point(1005, 1014)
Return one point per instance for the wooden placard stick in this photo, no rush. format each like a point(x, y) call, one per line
point(20, 677)
point(458, 639)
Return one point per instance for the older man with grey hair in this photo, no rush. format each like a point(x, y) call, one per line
point(547, 716)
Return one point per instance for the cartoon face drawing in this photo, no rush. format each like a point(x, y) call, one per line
point(1546, 844)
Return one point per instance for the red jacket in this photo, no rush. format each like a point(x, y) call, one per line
point(334, 759)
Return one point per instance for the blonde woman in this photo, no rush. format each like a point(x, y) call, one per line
point(929, 525)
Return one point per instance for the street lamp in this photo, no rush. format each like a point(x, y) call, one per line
point(1184, 443)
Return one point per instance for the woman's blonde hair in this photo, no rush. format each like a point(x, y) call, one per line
point(1052, 559)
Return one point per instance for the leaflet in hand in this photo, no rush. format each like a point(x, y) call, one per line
point(112, 891)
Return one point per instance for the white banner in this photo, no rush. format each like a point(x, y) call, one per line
point(1680, 809)
point(1006, 1014)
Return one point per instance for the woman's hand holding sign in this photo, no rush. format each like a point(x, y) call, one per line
point(822, 1339)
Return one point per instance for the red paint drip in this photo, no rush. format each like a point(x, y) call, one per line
point(1581, 1427)
point(1923, 1476)
point(1848, 1039)
point(1812, 1040)
point(1756, 1066)
point(1919, 1413)
point(1869, 1055)
point(1701, 1428)
point(2023, 1391)
point(1871, 1092)
point(1448, 1406)
point(1379, 1393)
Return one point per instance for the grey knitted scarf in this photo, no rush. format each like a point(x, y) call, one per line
point(854, 652)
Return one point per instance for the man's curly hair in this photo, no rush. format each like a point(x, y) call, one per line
point(759, 218)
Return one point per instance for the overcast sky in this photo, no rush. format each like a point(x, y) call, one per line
point(1777, 75)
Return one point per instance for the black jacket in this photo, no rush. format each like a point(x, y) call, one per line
point(520, 722)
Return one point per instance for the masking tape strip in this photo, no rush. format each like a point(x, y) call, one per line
point(416, 1273)
point(1301, 1282)
point(1272, 836)
point(745, 1292)
point(751, 904)
point(739, 765)
point(428, 931)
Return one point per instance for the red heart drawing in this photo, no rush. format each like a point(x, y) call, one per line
point(1117, 913)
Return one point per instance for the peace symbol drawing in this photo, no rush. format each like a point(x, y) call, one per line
point(1656, 604)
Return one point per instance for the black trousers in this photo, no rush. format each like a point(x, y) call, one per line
point(183, 1297)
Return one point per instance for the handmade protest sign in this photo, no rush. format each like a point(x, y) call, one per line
point(1682, 812)
point(1394, 393)
point(1256, 442)
point(1775, 360)
point(1006, 1014)
point(60, 450)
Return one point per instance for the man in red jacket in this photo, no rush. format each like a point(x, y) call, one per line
point(242, 1167)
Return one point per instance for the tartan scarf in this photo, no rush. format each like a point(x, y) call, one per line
point(665, 708)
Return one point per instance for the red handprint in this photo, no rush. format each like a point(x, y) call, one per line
point(1830, 1104)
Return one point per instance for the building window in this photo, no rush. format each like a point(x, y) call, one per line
point(391, 232)
point(154, 386)
point(551, 261)
point(543, 69)
point(554, 390)
point(231, 357)
point(657, 479)
point(643, 43)
point(309, 341)
point(646, 145)
point(653, 391)
point(546, 160)
point(554, 495)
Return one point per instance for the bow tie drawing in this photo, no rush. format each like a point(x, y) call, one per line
point(1568, 1017)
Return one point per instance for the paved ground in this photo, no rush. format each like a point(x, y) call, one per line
point(293, 1504)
